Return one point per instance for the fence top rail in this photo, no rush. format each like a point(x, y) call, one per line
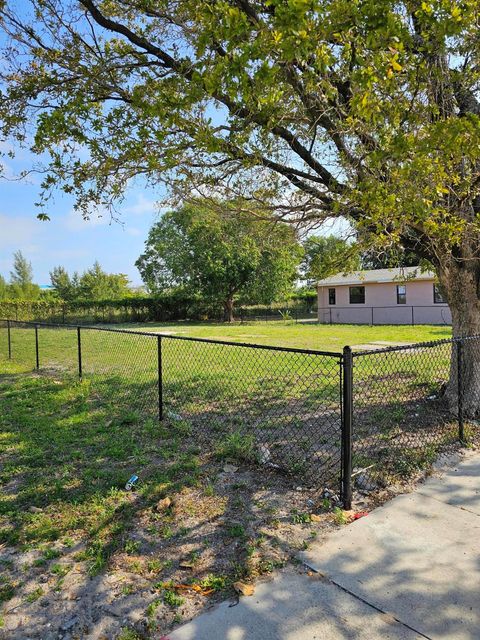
point(151, 334)
point(437, 305)
point(416, 345)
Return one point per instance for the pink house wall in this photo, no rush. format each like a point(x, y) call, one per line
point(383, 298)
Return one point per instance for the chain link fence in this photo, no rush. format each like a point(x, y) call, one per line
point(273, 408)
point(314, 419)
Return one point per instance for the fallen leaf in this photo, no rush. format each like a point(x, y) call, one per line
point(186, 565)
point(162, 505)
point(314, 517)
point(244, 589)
point(230, 468)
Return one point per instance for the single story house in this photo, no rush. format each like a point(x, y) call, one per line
point(382, 296)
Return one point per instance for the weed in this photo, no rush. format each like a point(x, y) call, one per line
point(339, 516)
point(172, 599)
point(7, 592)
point(131, 546)
point(236, 531)
point(60, 570)
point(237, 446)
point(33, 596)
point(300, 518)
point(209, 490)
point(128, 634)
point(166, 532)
point(154, 566)
point(217, 583)
point(195, 556)
point(128, 589)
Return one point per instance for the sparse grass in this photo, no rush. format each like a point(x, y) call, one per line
point(172, 599)
point(300, 518)
point(237, 447)
point(68, 447)
point(33, 596)
point(7, 591)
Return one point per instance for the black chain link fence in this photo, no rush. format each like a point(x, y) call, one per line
point(273, 408)
point(318, 420)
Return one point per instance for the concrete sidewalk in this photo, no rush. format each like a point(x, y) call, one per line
point(410, 569)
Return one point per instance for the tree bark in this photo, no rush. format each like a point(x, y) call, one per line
point(461, 284)
point(228, 310)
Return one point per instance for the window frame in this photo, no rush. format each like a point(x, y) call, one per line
point(401, 295)
point(362, 287)
point(437, 294)
point(332, 294)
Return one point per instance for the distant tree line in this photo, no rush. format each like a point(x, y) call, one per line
point(20, 285)
point(92, 284)
point(211, 254)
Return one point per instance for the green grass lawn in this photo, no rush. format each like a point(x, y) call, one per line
point(304, 336)
point(67, 446)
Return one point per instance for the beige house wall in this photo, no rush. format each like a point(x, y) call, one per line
point(381, 305)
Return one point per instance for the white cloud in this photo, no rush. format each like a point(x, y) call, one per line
point(133, 231)
point(19, 233)
point(73, 221)
point(142, 206)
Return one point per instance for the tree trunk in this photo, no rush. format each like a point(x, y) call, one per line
point(461, 284)
point(228, 310)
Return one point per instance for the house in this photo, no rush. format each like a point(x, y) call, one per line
point(382, 296)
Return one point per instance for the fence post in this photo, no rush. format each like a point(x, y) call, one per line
point(37, 358)
point(461, 431)
point(347, 418)
point(160, 378)
point(79, 347)
point(9, 341)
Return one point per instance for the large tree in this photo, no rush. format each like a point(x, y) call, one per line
point(327, 255)
point(220, 253)
point(364, 109)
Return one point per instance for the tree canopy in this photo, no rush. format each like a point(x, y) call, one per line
point(315, 108)
point(93, 284)
point(327, 255)
point(21, 279)
point(220, 253)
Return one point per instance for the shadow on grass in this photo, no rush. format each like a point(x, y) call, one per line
point(69, 447)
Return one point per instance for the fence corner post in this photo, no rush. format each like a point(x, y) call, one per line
point(461, 430)
point(160, 378)
point(9, 340)
point(79, 349)
point(37, 355)
point(347, 420)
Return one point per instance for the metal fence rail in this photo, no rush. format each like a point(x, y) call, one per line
point(318, 419)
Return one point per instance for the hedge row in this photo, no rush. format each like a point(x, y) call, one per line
point(143, 309)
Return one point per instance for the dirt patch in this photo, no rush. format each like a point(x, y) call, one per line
point(176, 560)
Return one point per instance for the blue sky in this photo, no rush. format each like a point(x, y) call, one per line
point(67, 239)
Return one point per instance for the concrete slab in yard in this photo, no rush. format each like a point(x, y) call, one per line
point(295, 607)
point(417, 557)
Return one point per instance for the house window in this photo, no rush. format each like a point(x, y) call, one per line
point(437, 295)
point(401, 294)
point(357, 295)
point(332, 299)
